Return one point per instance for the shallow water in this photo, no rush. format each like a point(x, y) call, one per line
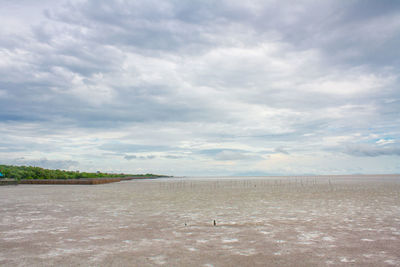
point(266, 221)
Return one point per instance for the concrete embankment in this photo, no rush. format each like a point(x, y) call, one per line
point(70, 181)
point(84, 181)
point(8, 182)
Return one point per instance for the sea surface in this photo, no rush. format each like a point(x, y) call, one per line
point(204, 221)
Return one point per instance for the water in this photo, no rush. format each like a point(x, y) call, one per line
point(298, 221)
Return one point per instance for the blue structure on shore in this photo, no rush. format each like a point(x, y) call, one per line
point(1, 175)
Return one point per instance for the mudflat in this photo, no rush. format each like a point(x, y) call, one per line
point(259, 221)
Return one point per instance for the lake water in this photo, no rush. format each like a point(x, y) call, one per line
point(260, 221)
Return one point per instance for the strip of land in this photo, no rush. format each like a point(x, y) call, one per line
point(88, 181)
point(36, 175)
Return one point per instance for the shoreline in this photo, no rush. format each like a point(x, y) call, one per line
point(77, 181)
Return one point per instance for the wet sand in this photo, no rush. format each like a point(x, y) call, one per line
point(292, 221)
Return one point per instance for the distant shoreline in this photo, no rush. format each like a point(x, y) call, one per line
point(37, 175)
point(78, 181)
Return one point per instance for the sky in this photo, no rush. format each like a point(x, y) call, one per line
point(201, 87)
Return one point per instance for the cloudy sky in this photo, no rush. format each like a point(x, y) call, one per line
point(201, 87)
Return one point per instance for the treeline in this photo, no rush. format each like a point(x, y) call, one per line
point(29, 172)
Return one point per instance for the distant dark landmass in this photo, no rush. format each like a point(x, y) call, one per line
point(38, 173)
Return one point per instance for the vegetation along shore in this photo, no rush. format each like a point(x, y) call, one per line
point(37, 175)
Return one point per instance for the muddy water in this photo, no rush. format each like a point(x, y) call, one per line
point(291, 221)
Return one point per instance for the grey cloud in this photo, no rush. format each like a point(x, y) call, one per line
point(122, 147)
point(45, 163)
point(13, 143)
point(216, 151)
point(173, 157)
point(200, 73)
point(225, 154)
point(130, 157)
point(281, 150)
point(365, 150)
point(229, 155)
point(80, 55)
point(149, 25)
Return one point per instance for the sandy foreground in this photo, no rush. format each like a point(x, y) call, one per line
point(291, 221)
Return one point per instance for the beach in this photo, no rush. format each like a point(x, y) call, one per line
point(259, 221)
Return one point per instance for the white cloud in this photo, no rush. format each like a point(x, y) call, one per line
point(385, 141)
point(345, 83)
